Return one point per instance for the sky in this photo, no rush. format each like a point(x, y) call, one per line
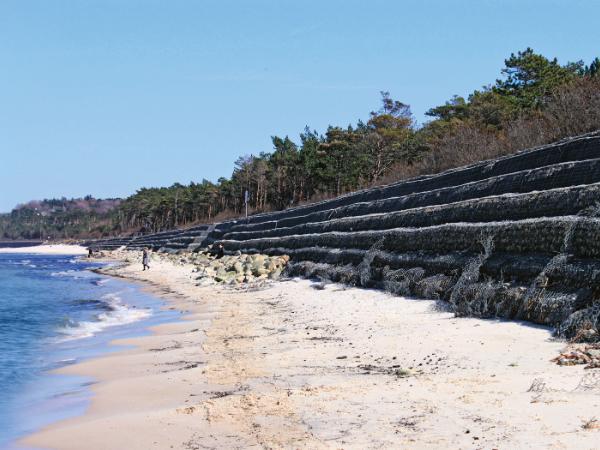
point(103, 97)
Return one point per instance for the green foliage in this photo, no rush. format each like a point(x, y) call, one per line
point(593, 69)
point(455, 108)
point(320, 166)
point(530, 78)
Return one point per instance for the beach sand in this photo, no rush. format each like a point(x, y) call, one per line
point(302, 365)
point(48, 249)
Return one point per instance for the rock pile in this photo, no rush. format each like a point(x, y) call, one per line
point(237, 269)
point(207, 269)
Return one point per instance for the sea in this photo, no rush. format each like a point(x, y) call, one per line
point(55, 311)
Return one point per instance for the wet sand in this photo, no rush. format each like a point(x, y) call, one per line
point(302, 365)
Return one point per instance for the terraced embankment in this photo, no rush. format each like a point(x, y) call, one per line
point(168, 241)
point(516, 237)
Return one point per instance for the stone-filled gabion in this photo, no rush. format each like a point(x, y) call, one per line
point(517, 237)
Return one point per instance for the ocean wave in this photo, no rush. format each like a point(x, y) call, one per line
point(116, 313)
point(74, 274)
point(22, 262)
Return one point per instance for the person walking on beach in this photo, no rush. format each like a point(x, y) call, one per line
point(145, 259)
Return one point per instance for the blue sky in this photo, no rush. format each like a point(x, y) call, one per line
point(104, 97)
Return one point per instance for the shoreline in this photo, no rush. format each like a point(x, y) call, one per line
point(335, 367)
point(54, 395)
point(101, 369)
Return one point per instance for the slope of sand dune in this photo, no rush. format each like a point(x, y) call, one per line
point(47, 249)
point(305, 365)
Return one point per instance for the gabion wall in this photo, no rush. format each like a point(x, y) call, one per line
point(518, 237)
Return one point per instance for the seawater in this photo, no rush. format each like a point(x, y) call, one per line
point(54, 311)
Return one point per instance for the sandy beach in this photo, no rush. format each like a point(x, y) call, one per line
point(47, 249)
point(299, 364)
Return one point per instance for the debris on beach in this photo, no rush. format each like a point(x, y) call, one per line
point(588, 354)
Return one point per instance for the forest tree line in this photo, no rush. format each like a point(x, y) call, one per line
point(59, 218)
point(535, 101)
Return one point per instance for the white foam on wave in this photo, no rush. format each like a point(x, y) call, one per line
point(23, 262)
point(119, 314)
point(73, 273)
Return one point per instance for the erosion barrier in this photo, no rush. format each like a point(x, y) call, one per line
point(516, 238)
point(108, 243)
point(570, 150)
point(167, 241)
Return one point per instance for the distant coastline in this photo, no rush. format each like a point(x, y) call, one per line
point(44, 249)
point(19, 243)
